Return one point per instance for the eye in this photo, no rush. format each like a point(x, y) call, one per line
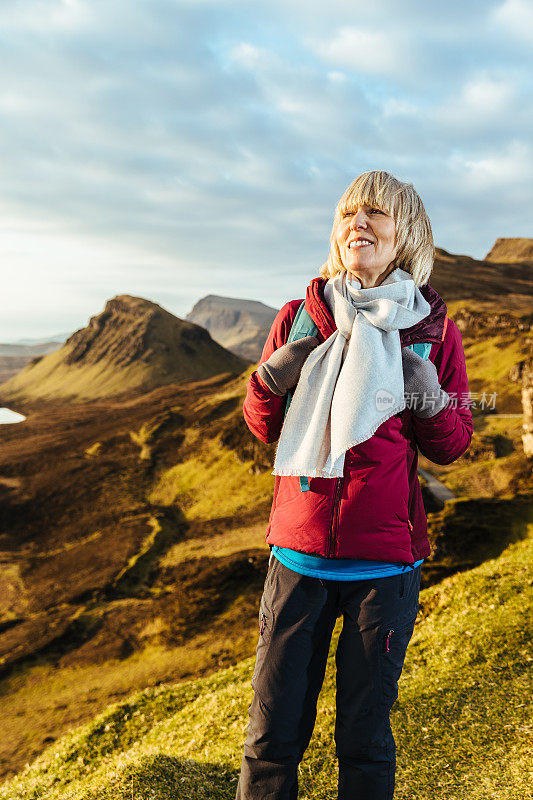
point(370, 211)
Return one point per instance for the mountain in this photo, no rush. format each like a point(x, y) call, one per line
point(57, 338)
point(15, 355)
point(133, 345)
point(511, 250)
point(241, 326)
point(30, 349)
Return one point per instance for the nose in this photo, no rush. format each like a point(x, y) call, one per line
point(359, 219)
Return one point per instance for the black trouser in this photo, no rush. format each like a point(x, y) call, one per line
point(297, 615)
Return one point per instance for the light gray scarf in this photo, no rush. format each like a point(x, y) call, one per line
point(351, 383)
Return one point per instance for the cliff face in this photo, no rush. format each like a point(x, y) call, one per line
point(527, 405)
point(507, 250)
point(133, 344)
point(241, 326)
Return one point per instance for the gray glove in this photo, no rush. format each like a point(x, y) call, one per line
point(281, 371)
point(424, 395)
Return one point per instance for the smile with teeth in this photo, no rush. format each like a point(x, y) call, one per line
point(359, 243)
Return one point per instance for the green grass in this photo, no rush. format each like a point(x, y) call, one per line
point(211, 483)
point(460, 722)
point(501, 476)
point(493, 357)
point(488, 363)
point(218, 546)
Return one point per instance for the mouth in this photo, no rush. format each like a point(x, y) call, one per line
point(358, 243)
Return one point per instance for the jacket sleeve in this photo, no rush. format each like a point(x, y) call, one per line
point(262, 409)
point(446, 436)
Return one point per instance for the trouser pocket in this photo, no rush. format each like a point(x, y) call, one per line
point(266, 621)
point(394, 638)
point(393, 643)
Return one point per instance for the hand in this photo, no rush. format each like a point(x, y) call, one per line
point(425, 396)
point(281, 371)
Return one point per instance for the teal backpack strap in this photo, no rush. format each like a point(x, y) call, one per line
point(302, 326)
point(423, 349)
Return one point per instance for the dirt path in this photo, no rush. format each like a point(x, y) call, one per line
point(437, 489)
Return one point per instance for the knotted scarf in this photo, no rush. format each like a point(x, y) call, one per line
point(353, 381)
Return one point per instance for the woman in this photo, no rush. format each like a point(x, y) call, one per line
point(347, 529)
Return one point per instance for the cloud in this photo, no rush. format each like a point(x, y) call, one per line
point(367, 51)
point(516, 18)
point(486, 96)
point(394, 107)
point(496, 171)
point(484, 103)
point(250, 56)
point(45, 15)
point(206, 142)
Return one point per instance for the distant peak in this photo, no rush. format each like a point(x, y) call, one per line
point(511, 250)
point(128, 304)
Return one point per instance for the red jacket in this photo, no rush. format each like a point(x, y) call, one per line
point(375, 511)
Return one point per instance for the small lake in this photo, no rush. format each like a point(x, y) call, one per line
point(8, 416)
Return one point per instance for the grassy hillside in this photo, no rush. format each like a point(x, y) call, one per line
point(103, 588)
point(133, 547)
point(158, 536)
point(460, 722)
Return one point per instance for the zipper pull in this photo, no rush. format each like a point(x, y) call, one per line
point(388, 638)
point(262, 627)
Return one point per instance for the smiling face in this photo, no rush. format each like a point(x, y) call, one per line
point(365, 237)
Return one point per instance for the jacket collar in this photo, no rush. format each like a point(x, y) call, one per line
point(429, 329)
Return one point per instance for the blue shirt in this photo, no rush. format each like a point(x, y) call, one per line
point(338, 569)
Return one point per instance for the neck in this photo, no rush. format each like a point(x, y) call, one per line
point(368, 281)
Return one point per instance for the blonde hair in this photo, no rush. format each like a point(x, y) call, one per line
point(415, 251)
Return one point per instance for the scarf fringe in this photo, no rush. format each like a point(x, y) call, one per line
point(317, 473)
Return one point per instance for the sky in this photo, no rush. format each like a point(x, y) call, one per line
point(171, 149)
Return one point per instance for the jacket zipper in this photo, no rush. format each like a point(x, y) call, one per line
point(337, 494)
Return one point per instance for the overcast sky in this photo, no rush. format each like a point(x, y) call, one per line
point(171, 149)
